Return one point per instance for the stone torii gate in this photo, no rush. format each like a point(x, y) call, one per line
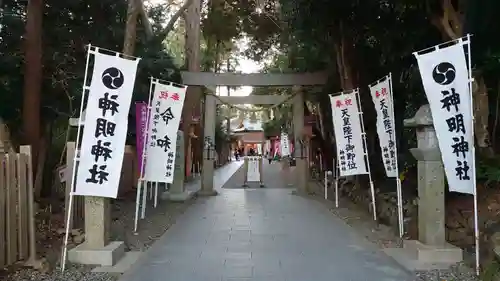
point(209, 80)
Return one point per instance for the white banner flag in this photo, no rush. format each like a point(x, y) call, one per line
point(348, 134)
point(284, 145)
point(384, 106)
point(166, 109)
point(105, 129)
point(446, 82)
point(253, 171)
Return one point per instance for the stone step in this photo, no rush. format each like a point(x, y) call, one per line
point(122, 265)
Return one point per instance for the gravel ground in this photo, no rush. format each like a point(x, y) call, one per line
point(385, 237)
point(157, 221)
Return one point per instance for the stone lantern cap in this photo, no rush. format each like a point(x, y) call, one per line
point(423, 117)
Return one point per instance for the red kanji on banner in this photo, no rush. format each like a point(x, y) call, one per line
point(338, 103)
point(348, 102)
point(384, 91)
point(175, 96)
point(163, 95)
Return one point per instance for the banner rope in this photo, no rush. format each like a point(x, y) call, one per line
point(250, 109)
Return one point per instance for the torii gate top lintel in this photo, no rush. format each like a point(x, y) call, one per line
point(253, 79)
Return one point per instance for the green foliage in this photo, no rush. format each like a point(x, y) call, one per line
point(221, 136)
point(68, 27)
point(273, 127)
point(488, 169)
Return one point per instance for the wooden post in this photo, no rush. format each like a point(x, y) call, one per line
point(26, 150)
point(3, 186)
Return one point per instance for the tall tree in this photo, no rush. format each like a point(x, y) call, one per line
point(33, 74)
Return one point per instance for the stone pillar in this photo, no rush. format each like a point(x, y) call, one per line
point(177, 190)
point(300, 156)
point(431, 211)
point(97, 221)
point(207, 173)
point(431, 251)
point(97, 248)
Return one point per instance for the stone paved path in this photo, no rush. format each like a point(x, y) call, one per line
point(272, 176)
point(262, 235)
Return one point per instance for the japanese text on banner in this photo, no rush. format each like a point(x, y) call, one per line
point(166, 110)
point(105, 128)
point(348, 135)
point(284, 145)
point(446, 82)
point(382, 99)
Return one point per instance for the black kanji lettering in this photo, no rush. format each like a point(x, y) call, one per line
point(347, 130)
point(456, 123)
point(164, 143)
point(98, 174)
point(167, 115)
point(345, 113)
point(451, 99)
point(351, 165)
point(462, 169)
point(348, 138)
point(106, 103)
point(460, 146)
point(101, 149)
point(349, 148)
point(391, 142)
point(387, 125)
point(104, 128)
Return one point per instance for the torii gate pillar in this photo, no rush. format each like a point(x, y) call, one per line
point(301, 172)
point(207, 172)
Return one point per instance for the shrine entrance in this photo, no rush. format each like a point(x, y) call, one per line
point(209, 80)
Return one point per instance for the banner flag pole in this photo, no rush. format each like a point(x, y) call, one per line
point(141, 184)
point(75, 160)
point(365, 148)
point(399, 190)
point(476, 216)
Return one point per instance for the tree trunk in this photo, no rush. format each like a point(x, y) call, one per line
point(451, 26)
point(33, 77)
point(343, 50)
point(131, 27)
point(192, 51)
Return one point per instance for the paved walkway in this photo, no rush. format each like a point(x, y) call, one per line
point(262, 235)
point(272, 175)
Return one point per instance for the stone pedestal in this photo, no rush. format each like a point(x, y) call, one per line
point(285, 172)
point(207, 174)
point(177, 190)
point(97, 249)
point(431, 250)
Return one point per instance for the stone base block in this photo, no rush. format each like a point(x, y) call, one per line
point(206, 193)
point(178, 196)
point(122, 265)
point(417, 256)
point(106, 256)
